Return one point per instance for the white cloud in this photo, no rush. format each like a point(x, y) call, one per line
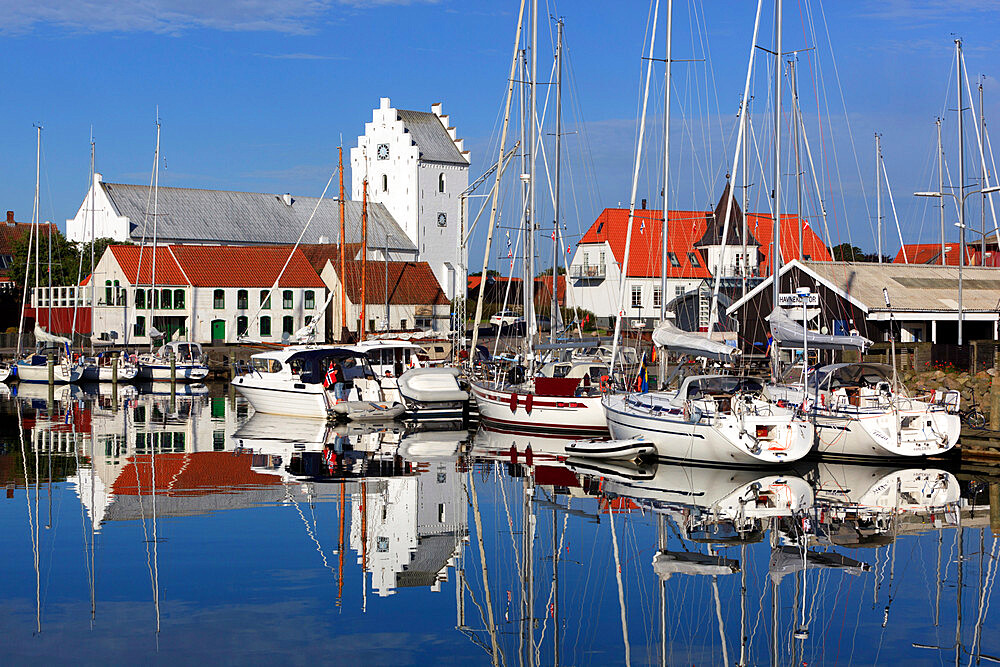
point(174, 16)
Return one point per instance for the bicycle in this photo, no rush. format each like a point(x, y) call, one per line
point(973, 416)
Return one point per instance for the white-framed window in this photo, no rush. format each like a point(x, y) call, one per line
point(637, 296)
point(679, 291)
point(657, 297)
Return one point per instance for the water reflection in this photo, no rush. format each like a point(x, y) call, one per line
point(413, 545)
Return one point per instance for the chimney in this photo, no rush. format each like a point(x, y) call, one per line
point(287, 198)
point(10, 218)
point(643, 207)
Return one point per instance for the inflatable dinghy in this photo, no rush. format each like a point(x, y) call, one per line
point(367, 411)
point(627, 450)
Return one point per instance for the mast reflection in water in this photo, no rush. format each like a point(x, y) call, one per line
point(141, 524)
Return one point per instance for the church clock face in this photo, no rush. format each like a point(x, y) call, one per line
point(383, 151)
point(442, 220)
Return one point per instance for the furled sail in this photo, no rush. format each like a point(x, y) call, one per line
point(786, 332)
point(43, 336)
point(684, 342)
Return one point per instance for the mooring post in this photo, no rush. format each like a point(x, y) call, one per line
point(50, 361)
point(995, 403)
point(995, 507)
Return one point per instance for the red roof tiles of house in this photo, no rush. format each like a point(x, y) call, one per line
point(409, 283)
point(930, 253)
point(543, 288)
point(687, 228)
point(217, 266)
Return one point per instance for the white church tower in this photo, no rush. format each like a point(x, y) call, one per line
point(416, 166)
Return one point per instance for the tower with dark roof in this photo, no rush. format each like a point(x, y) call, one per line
point(417, 167)
point(717, 242)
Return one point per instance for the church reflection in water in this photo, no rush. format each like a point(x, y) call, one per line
point(548, 558)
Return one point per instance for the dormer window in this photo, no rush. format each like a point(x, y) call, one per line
point(693, 258)
point(674, 261)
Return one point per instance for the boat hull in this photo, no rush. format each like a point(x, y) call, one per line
point(307, 401)
point(183, 372)
point(126, 373)
point(709, 440)
point(62, 373)
point(881, 436)
point(556, 415)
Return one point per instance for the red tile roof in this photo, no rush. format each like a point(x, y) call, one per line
point(244, 266)
point(543, 288)
point(193, 474)
point(410, 283)
point(686, 229)
point(10, 233)
point(930, 253)
point(137, 264)
point(216, 266)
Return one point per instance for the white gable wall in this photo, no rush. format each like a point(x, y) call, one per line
point(106, 221)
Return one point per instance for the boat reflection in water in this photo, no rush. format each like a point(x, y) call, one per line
point(551, 559)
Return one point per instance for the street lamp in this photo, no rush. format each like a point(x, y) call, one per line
point(960, 198)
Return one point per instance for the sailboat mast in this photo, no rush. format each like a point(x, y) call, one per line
point(343, 248)
point(745, 119)
point(364, 257)
point(623, 282)
point(878, 192)
point(961, 183)
point(665, 231)
point(798, 165)
point(496, 184)
point(93, 231)
point(940, 157)
point(776, 229)
point(554, 317)
point(35, 211)
point(982, 180)
point(529, 245)
point(151, 298)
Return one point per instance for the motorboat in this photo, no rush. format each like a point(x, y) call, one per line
point(859, 412)
point(290, 381)
point(426, 392)
point(563, 399)
point(717, 419)
point(189, 363)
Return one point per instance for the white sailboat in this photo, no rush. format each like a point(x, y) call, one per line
point(35, 367)
point(859, 410)
point(543, 402)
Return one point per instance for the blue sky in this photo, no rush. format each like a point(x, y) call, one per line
point(256, 95)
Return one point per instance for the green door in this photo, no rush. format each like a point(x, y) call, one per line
point(218, 330)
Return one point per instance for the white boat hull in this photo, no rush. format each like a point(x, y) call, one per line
point(183, 372)
point(512, 410)
point(126, 373)
point(308, 400)
point(62, 373)
point(726, 439)
point(917, 433)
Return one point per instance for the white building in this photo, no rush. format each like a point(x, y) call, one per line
point(696, 248)
point(204, 293)
point(416, 166)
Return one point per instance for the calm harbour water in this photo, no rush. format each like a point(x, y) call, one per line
point(141, 528)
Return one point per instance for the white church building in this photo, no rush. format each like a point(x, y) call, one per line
point(415, 166)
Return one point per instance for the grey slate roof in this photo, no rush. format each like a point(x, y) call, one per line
point(431, 136)
point(188, 214)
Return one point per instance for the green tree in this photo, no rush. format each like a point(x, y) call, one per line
point(845, 252)
point(70, 261)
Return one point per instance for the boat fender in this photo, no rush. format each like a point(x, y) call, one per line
point(605, 384)
point(528, 400)
point(513, 403)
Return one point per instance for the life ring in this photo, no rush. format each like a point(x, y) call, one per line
point(605, 384)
